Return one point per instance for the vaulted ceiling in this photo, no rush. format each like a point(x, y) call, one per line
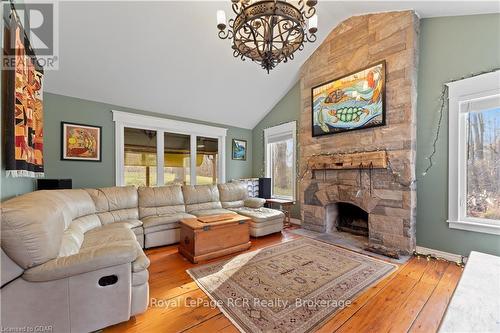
point(165, 56)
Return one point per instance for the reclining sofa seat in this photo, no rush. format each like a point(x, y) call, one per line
point(117, 207)
point(265, 221)
point(203, 200)
point(160, 210)
point(63, 266)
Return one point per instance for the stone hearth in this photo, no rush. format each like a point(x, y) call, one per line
point(390, 197)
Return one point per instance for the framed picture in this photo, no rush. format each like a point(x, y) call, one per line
point(354, 101)
point(81, 142)
point(239, 149)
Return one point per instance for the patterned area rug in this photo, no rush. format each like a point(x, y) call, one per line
point(290, 287)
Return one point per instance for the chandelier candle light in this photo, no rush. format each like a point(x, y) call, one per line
point(269, 31)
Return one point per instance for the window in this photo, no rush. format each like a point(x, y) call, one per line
point(280, 152)
point(474, 154)
point(154, 151)
point(177, 159)
point(206, 160)
point(483, 164)
point(140, 157)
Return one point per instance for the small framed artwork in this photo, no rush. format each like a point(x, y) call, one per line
point(81, 142)
point(354, 101)
point(239, 149)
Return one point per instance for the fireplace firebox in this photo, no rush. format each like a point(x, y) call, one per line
point(352, 219)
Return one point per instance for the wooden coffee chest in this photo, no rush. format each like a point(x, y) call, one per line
point(214, 236)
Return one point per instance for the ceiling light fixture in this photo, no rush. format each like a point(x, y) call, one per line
point(269, 31)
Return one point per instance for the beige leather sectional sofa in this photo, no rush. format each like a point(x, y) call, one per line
point(73, 259)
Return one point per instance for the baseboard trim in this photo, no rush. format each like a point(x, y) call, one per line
point(295, 221)
point(446, 255)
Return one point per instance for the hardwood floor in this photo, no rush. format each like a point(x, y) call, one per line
point(412, 299)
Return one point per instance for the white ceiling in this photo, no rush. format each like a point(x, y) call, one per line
point(166, 57)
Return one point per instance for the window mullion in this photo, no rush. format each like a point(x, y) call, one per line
point(271, 167)
point(462, 164)
point(120, 155)
point(192, 156)
point(160, 157)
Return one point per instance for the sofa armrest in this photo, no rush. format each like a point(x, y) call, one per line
point(87, 260)
point(254, 202)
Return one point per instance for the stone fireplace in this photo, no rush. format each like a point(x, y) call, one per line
point(379, 201)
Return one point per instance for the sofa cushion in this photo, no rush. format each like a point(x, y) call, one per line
point(33, 224)
point(260, 215)
point(207, 212)
point(254, 202)
point(86, 223)
point(129, 224)
point(232, 195)
point(162, 227)
point(73, 235)
point(110, 234)
point(107, 235)
point(170, 221)
point(201, 197)
point(134, 225)
point(164, 200)
point(87, 260)
point(115, 204)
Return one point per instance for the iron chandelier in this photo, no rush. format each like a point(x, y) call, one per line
point(269, 31)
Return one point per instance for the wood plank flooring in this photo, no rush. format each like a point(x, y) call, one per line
point(412, 299)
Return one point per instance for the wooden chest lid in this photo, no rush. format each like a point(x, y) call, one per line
point(214, 220)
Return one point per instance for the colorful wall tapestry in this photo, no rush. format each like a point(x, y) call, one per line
point(24, 107)
point(351, 102)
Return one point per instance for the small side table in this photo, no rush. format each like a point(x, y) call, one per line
point(285, 207)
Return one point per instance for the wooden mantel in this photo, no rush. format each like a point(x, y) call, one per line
point(365, 160)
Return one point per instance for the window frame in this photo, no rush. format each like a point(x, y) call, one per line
point(461, 94)
point(161, 126)
point(289, 128)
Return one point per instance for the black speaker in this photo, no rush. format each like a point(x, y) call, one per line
point(54, 184)
point(265, 188)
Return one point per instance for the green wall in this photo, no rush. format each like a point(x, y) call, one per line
point(450, 47)
point(286, 110)
point(93, 174)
